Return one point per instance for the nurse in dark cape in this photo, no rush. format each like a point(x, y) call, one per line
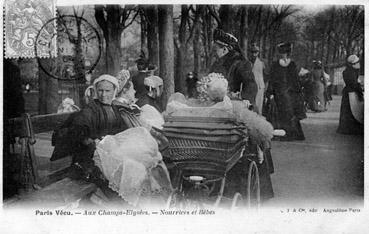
point(351, 114)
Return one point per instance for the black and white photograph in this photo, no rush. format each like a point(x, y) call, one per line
point(193, 111)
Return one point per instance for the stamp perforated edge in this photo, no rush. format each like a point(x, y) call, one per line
point(6, 56)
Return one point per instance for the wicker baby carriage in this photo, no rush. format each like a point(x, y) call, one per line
point(201, 152)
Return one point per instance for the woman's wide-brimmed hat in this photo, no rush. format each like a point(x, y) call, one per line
point(142, 60)
point(225, 39)
point(153, 81)
point(285, 47)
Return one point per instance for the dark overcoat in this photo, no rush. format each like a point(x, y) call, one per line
point(237, 70)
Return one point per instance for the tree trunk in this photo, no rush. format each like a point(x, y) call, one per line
point(196, 44)
point(243, 30)
point(166, 52)
point(114, 54)
point(196, 53)
point(179, 79)
point(49, 98)
point(208, 41)
point(152, 34)
point(109, 19)
point(263, 47)
point(226, 15)
point(196, 39)
point(208, 38)
point(143, 34)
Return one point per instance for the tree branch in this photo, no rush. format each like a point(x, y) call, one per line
point(132, 20)
point(196, 22)
point(214, 14)
point(100, 19)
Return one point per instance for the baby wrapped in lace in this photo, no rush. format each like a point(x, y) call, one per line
point(214, 102)
point(131, 160)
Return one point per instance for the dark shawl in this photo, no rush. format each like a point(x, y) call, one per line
point(138, 82)
point(146, 99)
point(91, 122)
point(237, 70)
point(348, 124)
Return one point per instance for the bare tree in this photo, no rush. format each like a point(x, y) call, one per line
point(166, 51)
point(226, 16)
point(151, 13)
point(181, 45)
point(144, 29)
point(196, 39)
point(113, 19)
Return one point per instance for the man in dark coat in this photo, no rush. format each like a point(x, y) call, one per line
point(144, 70)
point(234, 66)
point(191, 82)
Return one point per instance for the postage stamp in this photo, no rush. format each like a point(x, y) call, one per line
point(78, 47)
point(22, 21)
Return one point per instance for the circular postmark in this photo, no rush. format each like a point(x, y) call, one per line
point(73, 44)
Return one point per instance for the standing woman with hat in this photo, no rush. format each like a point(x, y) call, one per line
point(351, 114)
point(234, 66)
point(285, 88)
point(145, 69)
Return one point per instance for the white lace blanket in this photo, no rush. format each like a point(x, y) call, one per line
point(126, 160)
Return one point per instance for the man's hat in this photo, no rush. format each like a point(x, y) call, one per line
point(142, 59)
point(317, 63)
point(151, 67)
point(224, 38)
point(284, 47)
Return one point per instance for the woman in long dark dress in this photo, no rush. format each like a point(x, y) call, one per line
point(285, 88)
point(348, 123)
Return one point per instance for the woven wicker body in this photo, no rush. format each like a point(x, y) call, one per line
point(207, 147)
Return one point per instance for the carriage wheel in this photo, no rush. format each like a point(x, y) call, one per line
point(253, 186)
point(236, 201)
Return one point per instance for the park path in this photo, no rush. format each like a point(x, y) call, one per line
point(324, 170)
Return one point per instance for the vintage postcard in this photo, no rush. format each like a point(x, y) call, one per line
point(184, 117)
